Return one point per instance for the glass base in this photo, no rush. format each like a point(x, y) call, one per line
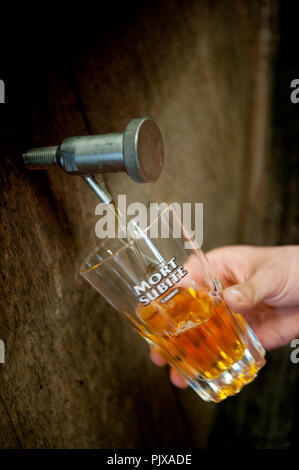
point(233, 379)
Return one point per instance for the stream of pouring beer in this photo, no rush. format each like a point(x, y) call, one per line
point(131, 235)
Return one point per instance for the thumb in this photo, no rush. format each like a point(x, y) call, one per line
point(246, 295)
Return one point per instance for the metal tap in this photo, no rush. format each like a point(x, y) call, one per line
point(138, 151)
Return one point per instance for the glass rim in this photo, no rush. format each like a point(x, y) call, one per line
point(83, 271)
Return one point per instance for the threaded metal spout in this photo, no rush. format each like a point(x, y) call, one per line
point(39, 158)
point(137, 151)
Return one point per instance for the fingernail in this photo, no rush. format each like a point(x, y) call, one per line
point(236, 294)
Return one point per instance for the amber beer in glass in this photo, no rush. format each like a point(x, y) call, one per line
point(174, 301)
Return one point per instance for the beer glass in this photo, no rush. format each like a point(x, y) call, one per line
point(162, 282)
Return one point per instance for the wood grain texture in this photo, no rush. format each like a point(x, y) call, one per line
point(8, 436)
point(182, 64)
point(76, 375)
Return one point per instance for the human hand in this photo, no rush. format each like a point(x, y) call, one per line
point(262, 283)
